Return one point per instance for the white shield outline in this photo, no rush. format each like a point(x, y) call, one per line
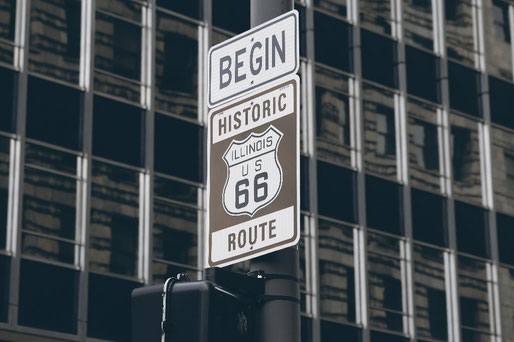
point(275, 157)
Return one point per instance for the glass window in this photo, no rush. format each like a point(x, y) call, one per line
point(54, 113)
point(190, 8)
point(109, 307)
point(128, 9)
point(7, 112)
point(49, 206)
point(376, 15)
point(4, 188)
point(306, 329)
point(7, 19)
point(171, 135)
point(49, 216)
point(114, 220)
point(429, 217)
point(502, 155)
point(110, 140)
point(460, 30)
point(418, 24)
point(501, 20)
point(335, 332)
point(379, 131)
point(333, 119)
point(383, 205)
point(338, 7)
point(118, 50)
point(175, 230)
point(332, 41)
point(473, 299)
point(379, 336)
point(497, 38)
point(505, 229)
point(382, 70)
point(336, 271)
point(464, 84)
point(385, 282)
point(176, 69)
point(302, 22)
point(7, 30)
point(422, 74)
point(501, 101)
point(430, 293)
point(336, 192)
point(55, 38)
point(423, 134)
point(5, 271)
point(465, 154)
point(471, 223)
point(48, 297)
point(223, 15)
point(506, 282)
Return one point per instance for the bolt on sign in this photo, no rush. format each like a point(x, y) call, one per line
point(256, 57)
point(253, 174)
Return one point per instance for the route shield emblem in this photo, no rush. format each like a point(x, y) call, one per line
point(254, 174)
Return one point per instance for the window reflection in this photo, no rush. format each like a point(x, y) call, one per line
point(55, 38)
point(473, 299)
point(176, 66)
point(117, 56)
point(506, 282)
point(460, 30)
point(7, 19)
point(49, 200)
point(497, 38)
point(502, 155)
point(175, 232)
point(333, 125)
point(385, 282)
point(430, 293)
point(376, 15)
point(424, 145)
point(128, 9)
point(336, 268)
point(333, 6)
point(379, 134)
point(7, 28)
point(465, 154)
point(114, 219)
point(417, 23)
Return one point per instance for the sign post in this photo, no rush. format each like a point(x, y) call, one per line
point(253, 161)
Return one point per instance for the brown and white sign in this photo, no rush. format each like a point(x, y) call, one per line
point(253, 174)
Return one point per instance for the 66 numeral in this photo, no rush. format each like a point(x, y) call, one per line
point(260, 190)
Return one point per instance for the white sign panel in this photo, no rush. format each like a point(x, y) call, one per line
point(253, 174)
point(253, 58)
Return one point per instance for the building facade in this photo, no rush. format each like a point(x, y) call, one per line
point(407, 164)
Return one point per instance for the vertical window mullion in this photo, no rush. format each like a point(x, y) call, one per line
point(87, 38)
point(16, 196)
point(146, 178)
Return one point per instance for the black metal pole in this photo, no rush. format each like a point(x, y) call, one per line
point(279, 317)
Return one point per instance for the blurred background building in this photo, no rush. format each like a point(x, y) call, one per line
point(407, 164)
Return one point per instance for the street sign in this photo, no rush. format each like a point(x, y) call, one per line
point(254, 58)
point(253, 174)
